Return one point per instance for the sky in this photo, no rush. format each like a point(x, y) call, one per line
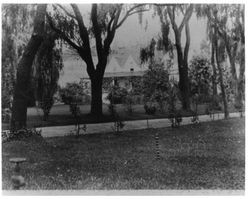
point(132, 33)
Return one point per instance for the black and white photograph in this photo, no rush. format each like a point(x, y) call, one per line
point(123, 98)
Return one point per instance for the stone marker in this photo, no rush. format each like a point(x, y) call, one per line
point(17, 179)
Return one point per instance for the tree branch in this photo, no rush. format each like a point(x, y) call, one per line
point(186, 17)
point(163, 4)
point(129, 13)
point(110, 22)
point(138, 11)
point(83, 30)
point(66, 11)
point(97, 31)
point(186, 50)
point(110, 33)
point(61, 34)
point(171, 14)
point(116, 18)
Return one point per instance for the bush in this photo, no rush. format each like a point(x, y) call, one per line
point(118, 123)
point(150, 109)
point(131, 100)
point(72, 92)
point(117, 95)
point(20, 134)
point(175, 119)
point(46, 105)
point(6, 114)
point(200, 76)
point(6, 99)
point(156, 85)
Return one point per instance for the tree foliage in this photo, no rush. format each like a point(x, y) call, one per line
point(16, 29)
point(23, 78)
point(72, 93)
point(47, 66)
point(200, 76)
point(226, 23)
point(156, 85)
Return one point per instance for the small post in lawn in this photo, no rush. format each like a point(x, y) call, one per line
point(17, 179)
point(157, 146)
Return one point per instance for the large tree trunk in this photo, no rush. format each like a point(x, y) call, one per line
point(234, 75)
point(182, 56)
point(184, 86)
point(241, 80)
point(223, 92)
point(214, 84)
point(96, 96)
point(183, 76)
point(22, 84)
point(96, 78)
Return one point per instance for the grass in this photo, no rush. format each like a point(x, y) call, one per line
point(206, 156)
point(60, 115)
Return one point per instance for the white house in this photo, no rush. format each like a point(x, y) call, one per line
point(119, 69)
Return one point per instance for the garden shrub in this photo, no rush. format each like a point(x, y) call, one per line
point(129, 101)
point(200, 76)
point(150, 109)
point(175, 116)
point(46, 105)
point(118, 123)
point(6, 115)
point(76, 113)
point(175, 119)
point(20, 134)
point(72, 92)
point(117, 95)
point(156, 86)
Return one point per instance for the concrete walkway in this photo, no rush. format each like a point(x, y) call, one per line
point(55, 131)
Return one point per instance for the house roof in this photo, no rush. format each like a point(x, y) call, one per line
point(121, 62)
point(122, 54)
point(124, 74)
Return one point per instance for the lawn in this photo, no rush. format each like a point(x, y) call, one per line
point(209, 155)
point(60, 115)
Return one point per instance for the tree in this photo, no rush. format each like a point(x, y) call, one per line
point(105, 20)
point(208, 51)
point(23, 77)
point(219, 54)
point(156, 85)
point(219, 47)
point(48, 63)
point(211, 12)
point(167, 15)
point(16, 29)
point(230, 23)
point(200, 76)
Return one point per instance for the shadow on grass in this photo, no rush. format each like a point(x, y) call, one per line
point(205, 156)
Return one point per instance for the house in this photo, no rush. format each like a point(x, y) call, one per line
point(122, 65)
point(120, 73)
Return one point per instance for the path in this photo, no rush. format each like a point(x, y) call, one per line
point(129, 125)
